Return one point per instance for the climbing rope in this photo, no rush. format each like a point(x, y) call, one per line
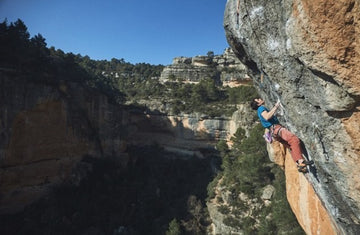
point(261, 85)
point(238, 13)
point(238, 8)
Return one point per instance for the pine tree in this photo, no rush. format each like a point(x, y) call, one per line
point(174, 228)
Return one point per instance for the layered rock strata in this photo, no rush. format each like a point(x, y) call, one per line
point(225, 69)
point(306, 54)
point(188, 133)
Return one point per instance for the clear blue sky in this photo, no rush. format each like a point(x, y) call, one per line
point(150, 31)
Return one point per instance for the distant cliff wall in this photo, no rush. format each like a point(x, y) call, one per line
point(188, 133)
point(47, 128)
point(306, 53)
point(226, 69)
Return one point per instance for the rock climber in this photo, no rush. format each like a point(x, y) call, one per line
point(269, 121)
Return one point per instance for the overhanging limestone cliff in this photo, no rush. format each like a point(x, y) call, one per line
point(306, 53)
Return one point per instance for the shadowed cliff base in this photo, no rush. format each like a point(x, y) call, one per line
point(141, 198)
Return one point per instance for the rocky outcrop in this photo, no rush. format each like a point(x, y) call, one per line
point(221, 209)
point(225, 69)
point(306, 53)
point(186, 133)
point(217, 216)
point(191, 132)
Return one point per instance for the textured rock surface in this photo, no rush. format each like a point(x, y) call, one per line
point(187, 133)
point(304, 201)
point(226, 69)
point(308, 54)
point(45, 130)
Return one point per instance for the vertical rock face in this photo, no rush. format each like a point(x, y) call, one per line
point(46, 129)
point(306, 53)
point(306, 204)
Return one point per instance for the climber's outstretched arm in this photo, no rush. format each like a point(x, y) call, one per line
point(267, 115)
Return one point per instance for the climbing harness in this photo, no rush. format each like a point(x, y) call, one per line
point(270, 135)
point(276, 135)
point(272, 131)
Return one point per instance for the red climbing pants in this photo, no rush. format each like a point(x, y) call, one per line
point(284, 135)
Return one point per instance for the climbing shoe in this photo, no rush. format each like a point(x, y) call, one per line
point(302, 168)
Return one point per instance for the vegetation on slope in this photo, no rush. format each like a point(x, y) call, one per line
point(246, 169)
point(141, 198)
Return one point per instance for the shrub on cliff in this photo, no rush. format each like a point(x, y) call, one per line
point(207, 97)
point(241, 94)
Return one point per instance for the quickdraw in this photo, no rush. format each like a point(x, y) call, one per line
point(318, 133)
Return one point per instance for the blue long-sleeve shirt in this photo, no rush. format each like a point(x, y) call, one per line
point(266, 123)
